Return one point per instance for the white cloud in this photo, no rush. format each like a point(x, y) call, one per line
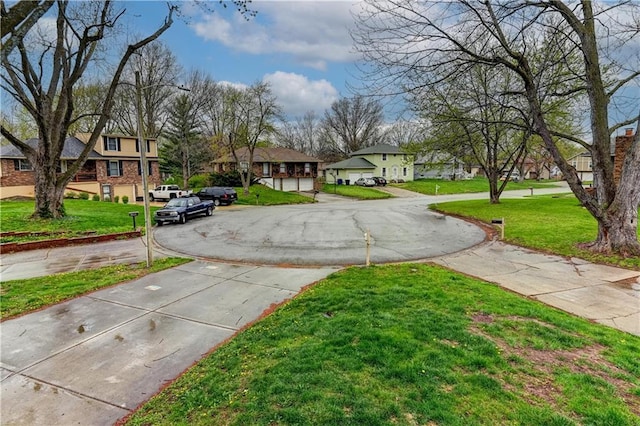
point(297, 94)
point(313, 33)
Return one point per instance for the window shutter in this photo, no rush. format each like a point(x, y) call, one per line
point(137, 145)
point(106, 145)
point(118, 140)
point(108, 171)
point(120, 167)
point(139, 168)
point(150, 168)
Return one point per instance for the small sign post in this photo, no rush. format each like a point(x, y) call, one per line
point(367, 239)
point(500, 223)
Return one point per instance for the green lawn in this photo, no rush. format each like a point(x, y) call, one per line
point(264, 196)
point(552, 223)
point(354, 191)
point(428, 186)
point(22, 296)
point(410, 345)
point(82, 215)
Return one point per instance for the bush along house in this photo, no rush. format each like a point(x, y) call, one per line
point(112, 169)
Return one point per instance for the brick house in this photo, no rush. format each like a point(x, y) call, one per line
point(282, 169)
point(112, 168)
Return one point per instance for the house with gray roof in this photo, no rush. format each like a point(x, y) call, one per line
point(113, 167)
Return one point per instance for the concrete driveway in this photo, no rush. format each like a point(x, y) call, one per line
point(322, 234)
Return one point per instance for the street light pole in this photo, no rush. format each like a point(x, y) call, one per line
point(144, 166)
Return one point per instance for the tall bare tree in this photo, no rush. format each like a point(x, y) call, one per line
point(409, 44)
point(300, 134)
point(251, 114)
point(352, 124)
point(159, 71)
point(42, 79)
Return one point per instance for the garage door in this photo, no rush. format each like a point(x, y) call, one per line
point(354, 177)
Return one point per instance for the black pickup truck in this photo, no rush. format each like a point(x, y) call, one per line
point(182, 208)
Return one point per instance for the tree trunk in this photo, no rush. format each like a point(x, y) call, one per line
point(49, 203)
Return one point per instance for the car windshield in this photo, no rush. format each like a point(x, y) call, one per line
point(177, 202)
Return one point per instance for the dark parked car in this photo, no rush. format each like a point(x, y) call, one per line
point(182, 208)
point(365, 182)
point(218, 194)
point(380, 181)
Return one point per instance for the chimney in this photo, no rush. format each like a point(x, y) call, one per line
point(628, 131)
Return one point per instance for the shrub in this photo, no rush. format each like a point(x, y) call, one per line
point(95, 197)
point(125, 199)
point(83, 195)
point(71, 195)
point(116, 199)
point(199, 181)
point(231, 178)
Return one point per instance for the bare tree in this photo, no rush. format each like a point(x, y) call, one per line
point(300, 134)
point(43, 79)
point(241, 121)
point(352, 124)
point(555, 50)
point(159, 71)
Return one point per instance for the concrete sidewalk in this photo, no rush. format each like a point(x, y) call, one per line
point(604, 294)
point(92, 360)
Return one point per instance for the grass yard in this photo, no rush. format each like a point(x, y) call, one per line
point(428, 186)
point(410, 345)
point(265, 196)
point(553, 224)
point(23, 296)
point(82, 215)
point(354, 191)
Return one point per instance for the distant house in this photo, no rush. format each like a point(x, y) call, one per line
point(383, 160)
point(112, 168)
point(583, 165)
point(282, 169)
point(441, 166)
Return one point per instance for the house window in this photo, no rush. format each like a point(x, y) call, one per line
point(590, 165)
point(574, 163)
point(265, 169)
point(111, 143)
point(114, 168)
point(384, 172)
point(404, 171)
point(244, 166)
point(283, 168)
point(307, 168)
point(149, 172)
point(138, 145)
point(22, 165)
point(384, 157)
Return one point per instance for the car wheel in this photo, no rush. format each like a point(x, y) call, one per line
point(209, 211)
point(183, 218)
point(216, 202)
point(151, 197)
point(160, 223)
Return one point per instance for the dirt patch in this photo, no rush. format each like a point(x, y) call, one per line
point(538, 384)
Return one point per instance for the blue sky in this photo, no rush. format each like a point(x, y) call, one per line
point(302, 48)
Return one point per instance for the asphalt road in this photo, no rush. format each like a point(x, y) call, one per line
point(331, 233)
